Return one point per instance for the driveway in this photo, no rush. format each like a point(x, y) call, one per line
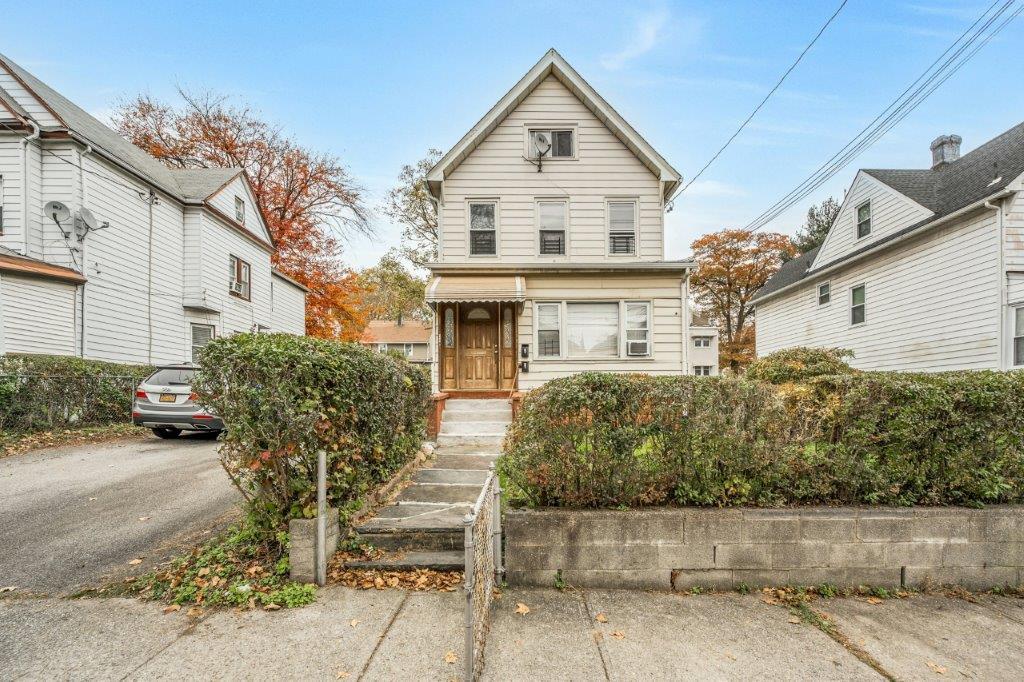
point(72, 517)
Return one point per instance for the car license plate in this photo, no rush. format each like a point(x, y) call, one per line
point(168, 397)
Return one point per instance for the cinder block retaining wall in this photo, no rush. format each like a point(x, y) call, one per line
point(723, 548)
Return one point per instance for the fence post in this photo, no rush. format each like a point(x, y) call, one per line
point(468, 522)
point(321, 517)
point(499, 566)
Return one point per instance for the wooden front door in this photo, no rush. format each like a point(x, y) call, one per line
point(478, 346)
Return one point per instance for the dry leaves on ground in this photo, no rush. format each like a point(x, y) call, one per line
point(343, 675)
point(135, 562)
point(619, 634)
point(936, 668)
point(49, 439)
point(522, 609)
point(601, 618)
point(172, 608)
point(450, 658)
point(354, 622)
point(420, 580)
point(874, 600)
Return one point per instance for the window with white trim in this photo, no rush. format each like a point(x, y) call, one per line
point(240, 210)
point(240, 278)
point(559, 145)
point(638, 329)
point(407, 349)
point(824, 293)
point(483, 228)
point(382, 348)
point(549, 330)
point(702, 370)
point(202, 334)
point(551, 220)
point(621, 228)
point(864, 220)
point(592, 330)
point(702, 341)
point(858, 303)
point(1018, 337)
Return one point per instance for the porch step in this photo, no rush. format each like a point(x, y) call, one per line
point(492, 440)
point(416, 517)
point(451, 560)
point(461, 476)
point(440, 493)
point(467, 461)
point(485, 415)
point(473, 428)
point(424, 540)
point(475, 404)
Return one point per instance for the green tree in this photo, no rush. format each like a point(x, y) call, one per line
point(392, 291)
point(819, 219)
point(409, 204)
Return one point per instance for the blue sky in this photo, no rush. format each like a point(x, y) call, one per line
point(378, 83)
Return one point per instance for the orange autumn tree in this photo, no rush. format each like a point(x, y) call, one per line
point(309, 199)
point(731, 266)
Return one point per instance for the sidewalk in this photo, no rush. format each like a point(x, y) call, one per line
point(400, 635)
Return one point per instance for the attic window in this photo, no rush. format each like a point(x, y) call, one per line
point(561, 143)
point(864, 220)
point(240, 210)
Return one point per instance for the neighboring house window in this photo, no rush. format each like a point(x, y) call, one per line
point(561, 143)
point(621, 227)
point(408, 350)
point(549, 336)
point(702, 370)
point(551, 219)
point(1018, 336)
point(382, 348)
point(857, 303)
point(482, 228)
point(702, 342)
point(202, 334)
point(240, 278)
point(824, 293)
point(638, 329)
point(864, 220)
point(240, 210)
point(592, 330)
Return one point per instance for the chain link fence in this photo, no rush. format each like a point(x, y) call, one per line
point(43, 402)
point(484, 570)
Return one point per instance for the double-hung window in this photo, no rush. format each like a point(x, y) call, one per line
point(858, 302)
point(592, 330)
point(407, 350)
point(549, 330)
point(202, 334)
point(622, 228)
point(702, 370)
point(483, 227)
point(240, 278)
point(558, 143)
point(240, 210)
point(824, 293)
point(864, 220)
point(551, 218)
point(702, 342)
point(638, 329)
point(1018, 336)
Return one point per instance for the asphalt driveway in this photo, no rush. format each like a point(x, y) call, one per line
point(73, 517)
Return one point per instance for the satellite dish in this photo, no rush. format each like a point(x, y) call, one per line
point(88, 219)
point(57, 211)
point(542, 143)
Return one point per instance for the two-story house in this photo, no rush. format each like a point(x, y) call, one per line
point(551, 244)
point(922, 269)
point(105, 253)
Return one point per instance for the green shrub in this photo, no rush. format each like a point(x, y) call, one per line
point(800, 364)
point(284, 398)
point(47, 392)
point(606, 440)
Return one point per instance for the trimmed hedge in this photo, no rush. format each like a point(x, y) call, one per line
point(605, 440)
point(284, 398)
point(800, 364)
point(46, 392)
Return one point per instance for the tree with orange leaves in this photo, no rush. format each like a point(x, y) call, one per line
point(731, 266)
point(310, 201)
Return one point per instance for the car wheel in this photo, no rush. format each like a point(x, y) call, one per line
point(167, 432)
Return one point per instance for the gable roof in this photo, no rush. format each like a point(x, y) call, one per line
point(553, 64)
point(978, 175)
point(185, 185)
point(389, 331)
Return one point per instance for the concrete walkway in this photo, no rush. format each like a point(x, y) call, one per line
point(371, 635)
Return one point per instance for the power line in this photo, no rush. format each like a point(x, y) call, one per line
point(763, 101)
point(917, 92)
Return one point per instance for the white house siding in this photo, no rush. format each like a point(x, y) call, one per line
point(220, 242)
point(60, 178)
point(36, 315)
point(704, 356)
point(224, 201)
point(931, 305)
point(605, 168)
point(192, 264)
point(29, 103)
point(666, 333)
point(13, 234)
point(288, 313)
point(890, 212)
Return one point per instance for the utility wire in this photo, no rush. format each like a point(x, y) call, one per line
point(916, 93)
point(763, 101)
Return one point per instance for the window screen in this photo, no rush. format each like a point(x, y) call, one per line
point(622, 227)
point(549, 342)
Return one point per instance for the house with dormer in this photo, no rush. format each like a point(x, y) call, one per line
point(107, 254)
point(922, 269)
point(551, 245)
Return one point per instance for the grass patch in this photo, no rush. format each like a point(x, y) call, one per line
point(12, 443)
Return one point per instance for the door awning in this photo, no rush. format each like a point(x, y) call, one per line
point(479, 288)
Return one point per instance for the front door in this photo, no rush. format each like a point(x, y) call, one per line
point(478, 346)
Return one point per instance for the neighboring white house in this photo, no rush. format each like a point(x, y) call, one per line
point(551, 255)
point(107, 254)
point(922, 270)
point(411, 338)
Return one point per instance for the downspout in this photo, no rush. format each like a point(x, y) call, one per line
point(1003, 364)
point(150, 200)
point(24, 183)
point(684, 293)
point(84, 198)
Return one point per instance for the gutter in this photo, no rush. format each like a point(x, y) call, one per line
point(981, 203)
point(542, 268)
point(1003, 364)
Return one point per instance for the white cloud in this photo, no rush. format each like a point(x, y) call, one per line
point(647, 33)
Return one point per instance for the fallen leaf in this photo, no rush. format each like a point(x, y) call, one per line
point(794, 620)
point(601, 618)
point(874, 600)
point(272, 607)
point(172, 608)
point(730, 656)
point(597, 635)
point(619, 634)
point(450, 658)
point(92, 499)
point(135, 562)
point(354, 622)
point(522, 609)
point(203, 572)
point(195, 612)
point(144, 518)
point(936, 668)
point(343, 675)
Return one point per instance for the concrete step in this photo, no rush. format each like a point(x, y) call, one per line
point(455, 461)
point(478, 415)
point(473, 428)
point(407, 561)
point(415, 516)
point(474, 404)
point(432, 540)
point(440, 493)
point(462, 476)
point(489, 440)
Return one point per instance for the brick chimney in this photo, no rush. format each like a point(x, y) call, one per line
point(945, 149)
